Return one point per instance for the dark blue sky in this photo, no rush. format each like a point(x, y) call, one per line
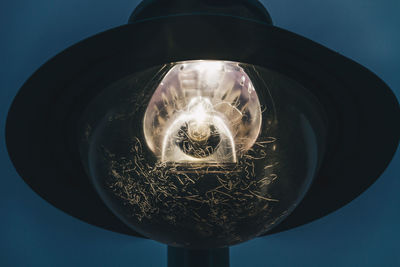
point(33, 233)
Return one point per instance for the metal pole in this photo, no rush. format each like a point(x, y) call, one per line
point(183, 257)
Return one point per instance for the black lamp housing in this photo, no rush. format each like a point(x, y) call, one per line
point(357, 129)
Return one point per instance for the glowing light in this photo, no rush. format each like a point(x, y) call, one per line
point(203, 112)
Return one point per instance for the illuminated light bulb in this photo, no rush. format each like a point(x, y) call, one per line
point(203, 112)
point(198, 135)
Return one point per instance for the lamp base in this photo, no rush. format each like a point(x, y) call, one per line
point(183, 257)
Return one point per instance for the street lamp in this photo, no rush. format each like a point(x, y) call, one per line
point(201, 125)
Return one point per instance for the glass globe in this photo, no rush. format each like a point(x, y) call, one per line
point(202, 153)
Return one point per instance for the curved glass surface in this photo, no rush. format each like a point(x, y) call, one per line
point(202, 153)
